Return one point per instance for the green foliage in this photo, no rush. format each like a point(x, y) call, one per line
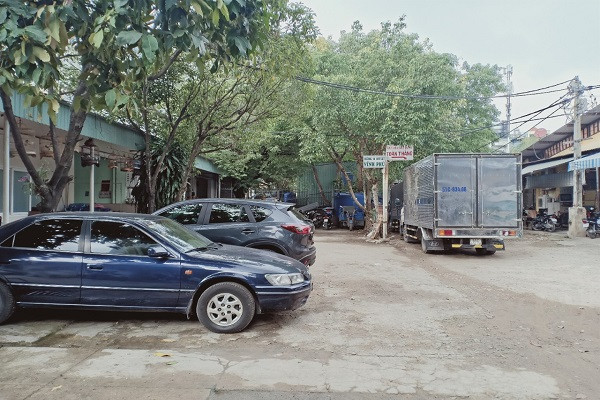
point(118, 43)
point(169, 177)
point(390, 60)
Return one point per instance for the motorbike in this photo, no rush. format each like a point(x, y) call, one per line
point(316, 217)
point(327, 218)
point(544, 222)
point(593, 219)
point(562, 219)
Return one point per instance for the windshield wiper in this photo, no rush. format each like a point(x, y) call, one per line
point(211, 246)
point(203, 248)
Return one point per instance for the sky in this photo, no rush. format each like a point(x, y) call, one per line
point(545, 41)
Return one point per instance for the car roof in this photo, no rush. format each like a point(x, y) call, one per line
point(232, 201)
point(96, 215)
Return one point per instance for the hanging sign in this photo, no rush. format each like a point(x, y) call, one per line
point(398, 153)
point(373, 161)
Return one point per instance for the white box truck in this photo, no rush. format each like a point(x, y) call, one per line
point(463, 201)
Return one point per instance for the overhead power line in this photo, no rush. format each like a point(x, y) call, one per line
point(533, 92)
point(558, 104)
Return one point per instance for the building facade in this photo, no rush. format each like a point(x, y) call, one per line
point(114, 178)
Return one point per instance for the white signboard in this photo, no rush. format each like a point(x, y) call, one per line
point(373, 161)
point(395, 153)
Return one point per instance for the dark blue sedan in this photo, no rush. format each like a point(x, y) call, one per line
point(142, 263)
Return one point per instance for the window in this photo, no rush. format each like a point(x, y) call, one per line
point(8, 242)
point(119, 239)
point(185, 214)
point(51, 234)
point(224, 213)
point(260, 213)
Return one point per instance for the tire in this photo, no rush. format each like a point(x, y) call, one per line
point(407, 238)
point(226, 307)
point(484, 252)
point(536, 227)
point(7, 302)
point(550, 226)
point(592, 233)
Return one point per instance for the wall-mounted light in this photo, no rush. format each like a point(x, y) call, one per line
point(88, 154)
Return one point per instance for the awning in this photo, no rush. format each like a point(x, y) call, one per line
point(548, 164)
point(591, 161)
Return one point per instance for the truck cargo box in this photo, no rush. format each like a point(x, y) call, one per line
point(464, 195)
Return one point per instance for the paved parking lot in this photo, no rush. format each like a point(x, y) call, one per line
point(383, 320)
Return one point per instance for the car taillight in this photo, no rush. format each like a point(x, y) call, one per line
point(445, 232)
point(300, 229)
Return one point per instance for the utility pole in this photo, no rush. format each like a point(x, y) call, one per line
point(385, 183)
point(509, 87)
point(577, 212)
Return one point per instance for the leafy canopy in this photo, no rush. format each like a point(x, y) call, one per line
point(118, 42)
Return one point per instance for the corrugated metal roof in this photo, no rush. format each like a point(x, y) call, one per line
point(538, 148)
point(591, 161)
point(95, 126)
point(543, 165)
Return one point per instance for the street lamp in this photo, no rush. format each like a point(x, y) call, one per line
point(89, 158)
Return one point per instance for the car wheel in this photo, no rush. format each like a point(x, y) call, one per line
point(7, 302)
point(226, 307)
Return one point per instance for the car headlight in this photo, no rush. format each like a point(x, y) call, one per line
point(284, 279)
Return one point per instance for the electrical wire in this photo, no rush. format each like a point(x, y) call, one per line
point(465, 132)
point(533, 92)
point(523, 134)
point(558, 104)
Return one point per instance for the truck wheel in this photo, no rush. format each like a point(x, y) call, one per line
point(7, 302)
point(226, 307)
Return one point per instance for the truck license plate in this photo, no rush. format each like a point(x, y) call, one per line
point(475, 242)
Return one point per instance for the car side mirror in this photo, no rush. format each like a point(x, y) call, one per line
point(157, 251)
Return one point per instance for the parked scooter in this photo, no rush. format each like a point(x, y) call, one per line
point(593, 219)
point(544, 222)
point(316, 217)
point(328, 218)
point(562, 220)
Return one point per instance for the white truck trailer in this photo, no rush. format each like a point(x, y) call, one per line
point(463, 201)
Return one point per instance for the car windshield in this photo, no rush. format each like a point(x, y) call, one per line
point(180, 237)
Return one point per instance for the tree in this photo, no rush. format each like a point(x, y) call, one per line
point(116, 44)
point(202, 109)
point(399, 70)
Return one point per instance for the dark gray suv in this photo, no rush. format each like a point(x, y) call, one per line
point(259, 224)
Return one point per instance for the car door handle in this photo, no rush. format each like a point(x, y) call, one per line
point(95, 267)
point(247, 231)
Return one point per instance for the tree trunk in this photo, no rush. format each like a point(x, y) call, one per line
point(49, 191)
point(321, 191)
point(375, 232)
point(190, 166)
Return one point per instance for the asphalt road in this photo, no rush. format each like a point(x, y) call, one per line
point(385, 321)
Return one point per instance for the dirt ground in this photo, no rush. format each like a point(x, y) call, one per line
point(384, 321)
